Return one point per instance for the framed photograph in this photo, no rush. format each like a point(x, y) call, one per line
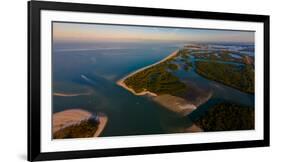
point(115, 80)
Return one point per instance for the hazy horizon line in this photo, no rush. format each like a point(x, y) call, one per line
point(122, 33)
point(149, 41)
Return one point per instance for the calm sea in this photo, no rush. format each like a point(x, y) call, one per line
point(94, 68)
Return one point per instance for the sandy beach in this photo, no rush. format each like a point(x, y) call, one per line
point(175, 104)
point(102, 123)
point(71, 94)
point(181, 106)
point(71, 117)
point(192, 129)
point(122, 84)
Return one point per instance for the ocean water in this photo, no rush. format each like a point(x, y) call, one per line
point(94, 68)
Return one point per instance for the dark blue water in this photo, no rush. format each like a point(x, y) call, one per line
point(96, 67)
point(103, 66)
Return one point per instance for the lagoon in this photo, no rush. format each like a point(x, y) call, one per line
point(95, 68)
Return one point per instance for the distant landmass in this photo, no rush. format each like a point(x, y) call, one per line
point(162, 83)
point(153, 89)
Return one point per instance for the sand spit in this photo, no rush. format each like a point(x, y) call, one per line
point(71, 94)
point(145, 92)
point(180, 105)
point(122, 84)
point(192, 129)
point(71, 117)
point(175, 104)
point(102, 123)
point(183, 106)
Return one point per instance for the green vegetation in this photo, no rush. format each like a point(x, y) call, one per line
point(187, 65)
point(183, 53)
point(192, 46)
point(185, 58)
point(239, 77)
point(199, 54)
point(226, 116)
point(225, 56)
point(173, 67)
point(157, 79)
point(218, 56)
point(83, 130)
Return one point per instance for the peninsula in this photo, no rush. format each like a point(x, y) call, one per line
point(159, 82)
point(122, 81)
point(71, 94)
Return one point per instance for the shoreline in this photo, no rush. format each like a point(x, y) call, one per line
point(102, 123)
point(122, 84)
point(71, 94)
point(66, 118)
point(175, 104)
point(180, 105)
point(202, 74)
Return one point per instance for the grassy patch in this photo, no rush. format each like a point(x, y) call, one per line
point(241, 78)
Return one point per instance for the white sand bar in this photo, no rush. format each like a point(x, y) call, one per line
point(69, 117)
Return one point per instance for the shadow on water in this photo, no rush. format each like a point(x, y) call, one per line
point(174, 123)
point(201, 110)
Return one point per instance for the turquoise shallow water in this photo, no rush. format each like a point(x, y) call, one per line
point(96, 68)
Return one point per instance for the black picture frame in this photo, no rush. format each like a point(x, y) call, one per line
point(34, 82)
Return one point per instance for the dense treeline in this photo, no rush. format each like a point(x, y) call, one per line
point(227, 116)
point(157, 79)
point(218, 56)
point(240, 77)
point(82, 130)
point(172, 66)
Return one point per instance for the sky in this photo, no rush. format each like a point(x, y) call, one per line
point(81, 32)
